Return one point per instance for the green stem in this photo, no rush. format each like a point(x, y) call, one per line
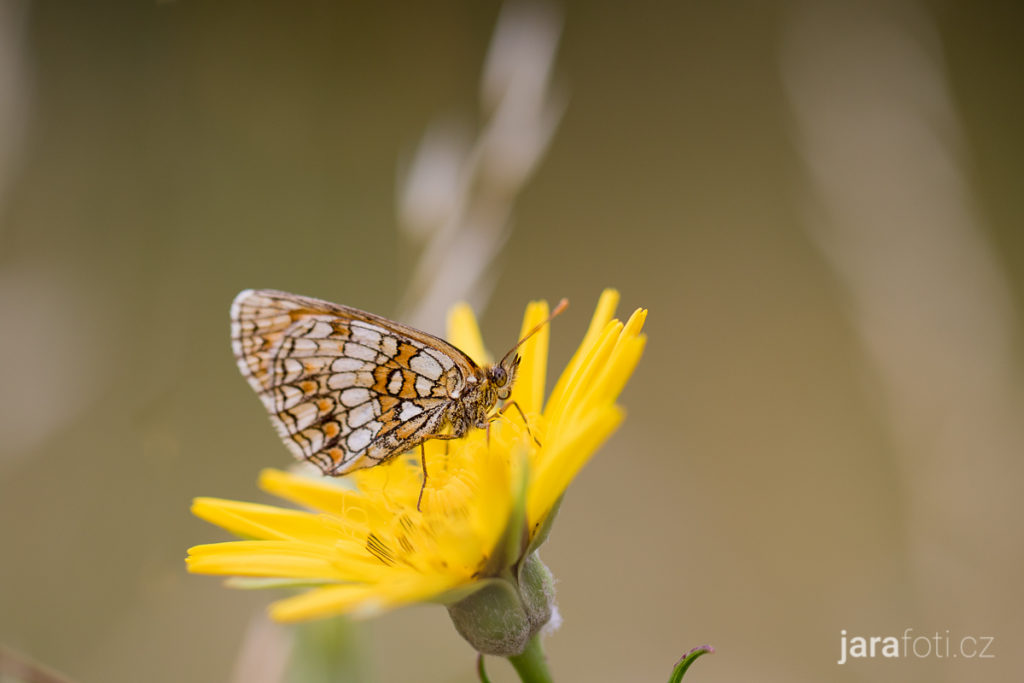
point(532, 665)
point(480, 670)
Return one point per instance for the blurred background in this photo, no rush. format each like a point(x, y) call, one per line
point(819, 202)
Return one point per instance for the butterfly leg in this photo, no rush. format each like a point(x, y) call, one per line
point(423, 461)
point(423, 486)
point(526, 422)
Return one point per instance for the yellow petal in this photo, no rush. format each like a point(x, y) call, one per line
point(330, 495)
point(464, 334)
point(562, 412)
point(252, 520)
point(528, 391)
point(611, 379)
point(567, 457)
point(602, 314)
point(264, 558)
point(359, 600)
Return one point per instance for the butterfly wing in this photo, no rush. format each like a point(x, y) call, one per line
point(345, 389)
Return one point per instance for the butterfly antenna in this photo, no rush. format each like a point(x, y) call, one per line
point(562, 305)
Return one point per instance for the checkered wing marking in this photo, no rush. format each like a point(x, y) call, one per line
point(345, 389)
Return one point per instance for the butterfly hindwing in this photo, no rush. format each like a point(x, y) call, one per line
point(345, 389)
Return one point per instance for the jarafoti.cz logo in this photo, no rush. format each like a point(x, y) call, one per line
point(939, 646)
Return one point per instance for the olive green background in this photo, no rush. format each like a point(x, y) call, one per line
point(160, 157)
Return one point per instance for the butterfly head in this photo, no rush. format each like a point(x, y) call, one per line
point(501, 376)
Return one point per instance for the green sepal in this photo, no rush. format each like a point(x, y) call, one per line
point(454, 595)
point(544, 528)
point(537, 589)
point(493, 620)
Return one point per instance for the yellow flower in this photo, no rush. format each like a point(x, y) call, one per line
point(363, 546)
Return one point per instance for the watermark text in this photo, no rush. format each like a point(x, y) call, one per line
point(938, 645)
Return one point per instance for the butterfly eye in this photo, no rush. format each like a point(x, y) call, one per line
point(498, 376)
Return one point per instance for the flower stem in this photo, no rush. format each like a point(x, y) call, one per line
point(532, 665)
point(480, 670)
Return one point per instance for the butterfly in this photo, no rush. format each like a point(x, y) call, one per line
point(347, 389)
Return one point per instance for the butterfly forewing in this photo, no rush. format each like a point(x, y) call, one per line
point(345, 389)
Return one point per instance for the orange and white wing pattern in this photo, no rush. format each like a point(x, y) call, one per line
point(345, 389)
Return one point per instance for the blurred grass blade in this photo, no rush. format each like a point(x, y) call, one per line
point(683, 664)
